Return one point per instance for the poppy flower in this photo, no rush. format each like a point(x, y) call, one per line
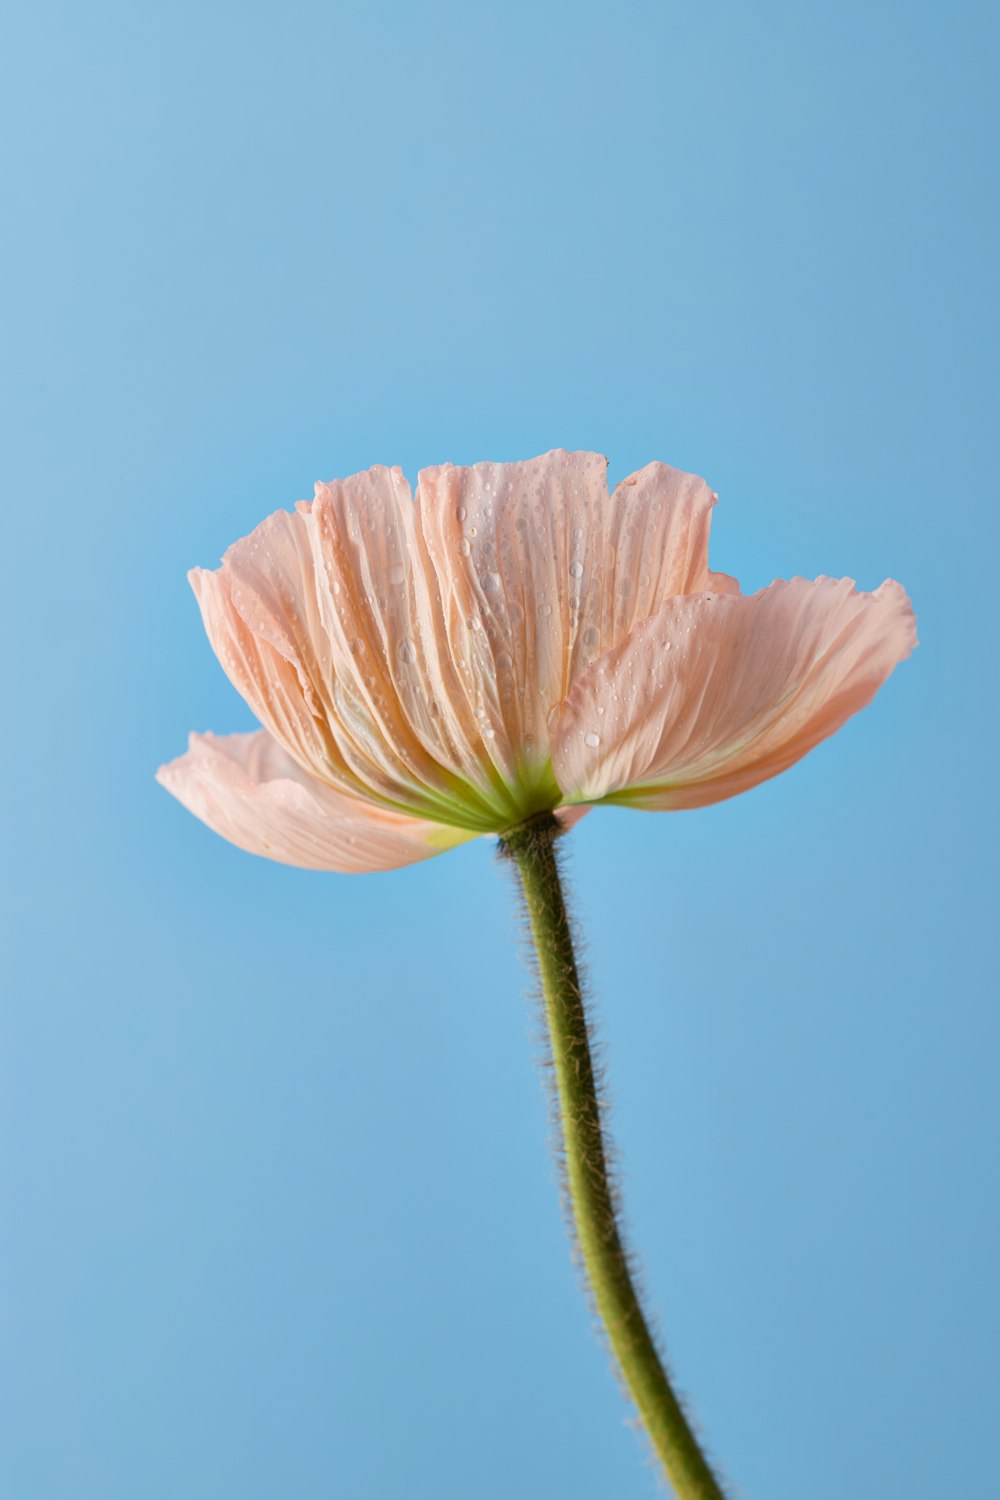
point(496, 655)
point(511, 641)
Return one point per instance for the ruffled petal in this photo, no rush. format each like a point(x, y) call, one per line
point(256, 623)
point(656, 547)
point(512, 546)
point(718, 692)
point(326, 621)
point(401, 716)
point(540, 570)
point(246, 788)
point(721, 583)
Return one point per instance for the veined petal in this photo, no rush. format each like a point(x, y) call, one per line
point(272, 677)
point(249, 790)
point(512, 545)
point(540, 570)
point(656, 547)
point(395, 698)
point(717, 692)
point(324, 619)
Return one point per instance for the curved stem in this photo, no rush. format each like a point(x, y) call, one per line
point(588, 1184)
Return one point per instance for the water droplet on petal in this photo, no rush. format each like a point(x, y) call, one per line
point(576, 570)
point(592, 740)
point(465, 546)
point(545, 610)
point(397, 573)
point(591, 636)
point(461, 513)
point(406, 652)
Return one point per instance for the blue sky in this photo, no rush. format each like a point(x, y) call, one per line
point(280, 1212)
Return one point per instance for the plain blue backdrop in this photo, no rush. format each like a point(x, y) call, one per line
point(279, 1212)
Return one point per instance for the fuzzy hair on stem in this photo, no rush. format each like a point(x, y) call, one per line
point(590, 1191)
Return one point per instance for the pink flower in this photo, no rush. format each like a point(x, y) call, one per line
point(512, 641)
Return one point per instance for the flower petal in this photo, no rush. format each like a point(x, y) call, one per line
point(264, 650)
point(396, 694)
point(511, 545)
point(718, 692)
point(246, 788)
point(540, 570)
point(325, 621)
point(656, 547)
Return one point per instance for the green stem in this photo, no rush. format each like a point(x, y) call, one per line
point(590, 1191)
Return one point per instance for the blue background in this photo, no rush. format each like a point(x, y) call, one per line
point(280, 1217)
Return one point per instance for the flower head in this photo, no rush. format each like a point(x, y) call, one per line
point(513, 640)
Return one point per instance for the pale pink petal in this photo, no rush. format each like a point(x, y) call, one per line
point(720, 583)
point(246, 788)
point(266, 670)
point(325, 621)
point(540, 570)
point(512, 546)
point(396, 695)
point(716, 693)
point(656, 547)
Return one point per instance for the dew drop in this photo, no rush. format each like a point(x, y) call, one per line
point(591, 637)
point(490, 582)
point(504, 661)
point(576, 570)
point(592, 740)
point(397, 573)
point(405, 651)
point(461, 513)
point(545, 610)
point(465, 546)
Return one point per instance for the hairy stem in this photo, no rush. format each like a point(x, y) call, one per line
point(589, 1187)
